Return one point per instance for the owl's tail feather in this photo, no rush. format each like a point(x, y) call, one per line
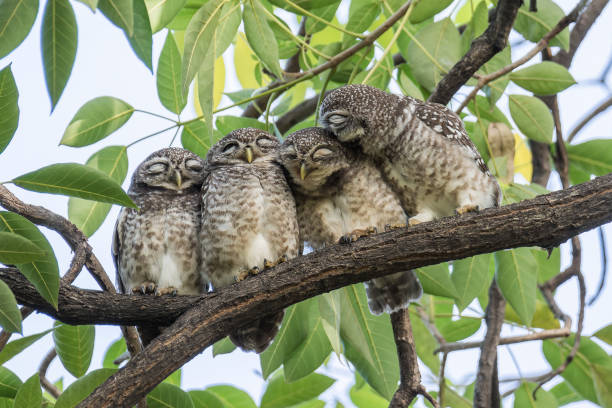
point(258, 335)
point(393, 292)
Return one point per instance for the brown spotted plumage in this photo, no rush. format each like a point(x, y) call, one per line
point(421, 148)
point(339, 192)
point(156, 248)
point(248, 217)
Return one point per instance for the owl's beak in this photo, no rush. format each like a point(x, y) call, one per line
point(249, 154)
point(178, 178)
point(303, 171)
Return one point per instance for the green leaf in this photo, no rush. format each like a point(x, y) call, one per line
point(9, 383)
point(305, 4)
point(16, 249)
point(364, 396)
point(195, 137)
point(120, 12)
point(327, 13)
point(141, 40)
point(29, 394)
point(81, 388)
point(74, 346)
point(168, 396)
point(113, 351)
point(362, 14)
point(161, 12)
point(43, 273)
point(95, 120)
point(224, 346)
point(288, 339)
point(517, 279)
point(407, 83)
point(532, 117)
point(424, 342)
point(545, 78)
point(548, 266)
point(456, 330)
point(433, 51)
point(427, 8)
point(92, 4)
point(368, 341)
point(470, 277)
point(592, 157)
point(313, 350)
point(10, 316)
point(523, 397)
point(483, 109)
point(436, 280)
point(75, 180)
point(88, 215)
point(280, 393)
point(200, 34)
point(169, 80)
point(205, 86)
point(17, 346)
point(533, 26)
point(495, 89)
point(590, 371)
point(329, 307)
point(9, 108)
point(225, 124)
point(16, 19)
point(605, 334)
point(260, 36)
point(515, 192)
point(221, 396)
point(174, 378)
point(59, 45)
point(564, 394)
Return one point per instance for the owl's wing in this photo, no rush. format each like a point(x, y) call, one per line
point(116, 246)
point(445, 122)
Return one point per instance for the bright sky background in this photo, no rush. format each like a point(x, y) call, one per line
point(106, 65)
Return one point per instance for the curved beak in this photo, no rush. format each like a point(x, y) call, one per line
point(303, 171)
point(178, 178)
point(249, 154)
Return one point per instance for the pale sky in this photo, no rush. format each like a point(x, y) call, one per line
point(106, 65)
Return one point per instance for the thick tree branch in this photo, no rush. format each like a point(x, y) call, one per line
point(483, 48)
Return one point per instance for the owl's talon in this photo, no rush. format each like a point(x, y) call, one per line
point(242, 275)
point(147, 288)
point(391, 227)
point(356, 234)
point(268, 264)
point(166, 291)
point(254, 270)
point(283, 258)
point(466, 208)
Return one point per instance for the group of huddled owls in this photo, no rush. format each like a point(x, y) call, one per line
point(379, 161)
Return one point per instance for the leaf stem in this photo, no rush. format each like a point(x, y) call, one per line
point(155, 114)
point(151, 135)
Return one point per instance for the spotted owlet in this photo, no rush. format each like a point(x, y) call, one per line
point(156, 248)
point(421, 148)
point(340, 193)
point(249, 221)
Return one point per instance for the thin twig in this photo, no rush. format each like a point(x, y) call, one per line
point(602, 107)
point(604, 266)
point(42, 372)
point(442, 381)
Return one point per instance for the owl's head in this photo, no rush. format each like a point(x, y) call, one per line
point(315, 161)
point(358, 112)
point(171, 169)
point(243, 146)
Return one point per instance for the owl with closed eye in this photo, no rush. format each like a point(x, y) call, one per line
point(422, 149)
point(249, 220)
point(340, 193)
point(156, 248)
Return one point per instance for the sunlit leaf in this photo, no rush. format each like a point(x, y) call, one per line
point(245, 63)
point(16, 19)
point(9, 109)
point(161, 12)
point(329, 307)
point(42, 273)
point(75, 180)
point(16, 249)
point(362, 14)
point(113, 351)
point(470, 277)
point(82, 387)
point(260, 36)
point(174, 378)
point(564, 394)
point(427, 8)
point(10, 316)
point(279, 393)
point(141, 39)
point(9, 383)
point(95, 120)
point(532, 117)
point(88, 215)
point(456, 330)
point(534, 25)
point(305, 4)
point(224, 346)
point(517, 279)
point(17, 346)
point(74, 346)
point(605, 334)
point(543, 317)
point(29, 394)
point(221, 396)
point(522, 158)
point(169, 82)
point(59, 45)
point(120, 12)
point(545, 78)
point(168, 396)
point(226, 124)
point(436, 280)
point(523, 397)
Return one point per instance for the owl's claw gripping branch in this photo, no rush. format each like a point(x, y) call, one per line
point(271, 264)
point(466, 208)
point(391, 227)
point(242, 275)
point(147, 288)
point(356, 234)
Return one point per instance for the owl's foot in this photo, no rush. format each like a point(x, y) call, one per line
point(269, 264)
point(147, 288)
point(166, 291)
point(391, 227)
point(466, 208)
point(242, 275)
point(356, 234)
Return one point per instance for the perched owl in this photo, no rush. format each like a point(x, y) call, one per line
point(421, 148)
point(156, 248)
point(248, 219)
point(338, 193)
